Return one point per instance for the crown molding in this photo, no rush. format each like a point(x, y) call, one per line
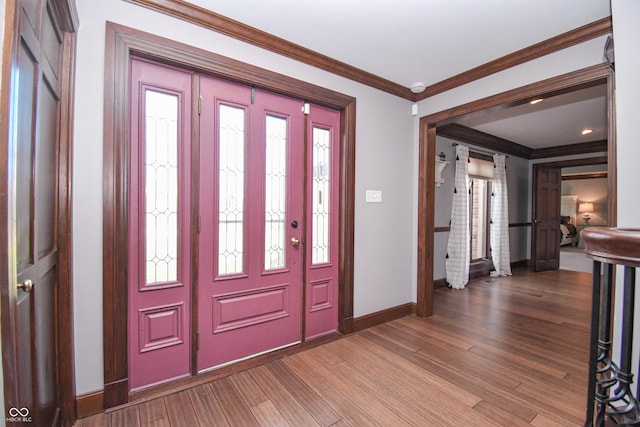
point(235, 29)
point(586, 175)
point(570, 149)
point(554, 44)
point(487, 141)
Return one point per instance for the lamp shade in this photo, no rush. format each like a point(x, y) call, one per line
point(585, 207)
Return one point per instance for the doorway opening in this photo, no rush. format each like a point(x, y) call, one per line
point(589, 184)
point(589, 77)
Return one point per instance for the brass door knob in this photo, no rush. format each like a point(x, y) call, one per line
point(295, 242)
point(27, 286)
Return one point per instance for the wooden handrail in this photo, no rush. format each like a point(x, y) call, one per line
point(613, 245)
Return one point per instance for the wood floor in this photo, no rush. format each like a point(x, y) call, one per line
point(508, 352)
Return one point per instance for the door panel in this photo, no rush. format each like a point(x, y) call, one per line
point(250, 274)
point(25, 131)
point(45, 357)
point(46, 171)
point(160, 225)
point(36, 139)
point(546, 227)
point(24, 350)
point(321, 314)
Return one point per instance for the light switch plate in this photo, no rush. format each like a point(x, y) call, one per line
point(373, 196)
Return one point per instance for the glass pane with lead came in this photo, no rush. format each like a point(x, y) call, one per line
point(321, 197)
point(275, 192)
point(231, 190)
point(161, 187)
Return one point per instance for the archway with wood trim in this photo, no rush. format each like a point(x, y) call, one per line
point(591, 76)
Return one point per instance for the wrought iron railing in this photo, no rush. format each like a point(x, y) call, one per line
point(610, 398)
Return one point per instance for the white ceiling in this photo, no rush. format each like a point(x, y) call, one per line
point(555, 121)
point(407, 41)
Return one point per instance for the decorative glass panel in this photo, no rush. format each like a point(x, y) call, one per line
point(231, 191)
point(320, 207)
point(161, 187)
point(275, 192)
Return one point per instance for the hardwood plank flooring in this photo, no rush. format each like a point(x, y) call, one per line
point(506, 351)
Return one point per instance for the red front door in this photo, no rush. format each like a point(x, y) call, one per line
point(251, 222)
point(234, 253)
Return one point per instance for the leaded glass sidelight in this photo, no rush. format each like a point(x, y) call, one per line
point(320, 202)
point(231, 190)
point(275, 192)
point(161, 187)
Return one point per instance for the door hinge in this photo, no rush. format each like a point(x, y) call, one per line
point(198, 340)
point(199, 105)
point(199, 224)
point(306, 108)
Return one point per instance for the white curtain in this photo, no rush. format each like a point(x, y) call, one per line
point(500, 251)
point(459, 245)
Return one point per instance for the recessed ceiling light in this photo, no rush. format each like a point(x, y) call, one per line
point(535, 101)
point(587, 131)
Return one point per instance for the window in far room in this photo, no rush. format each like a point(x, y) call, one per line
point(480, 175)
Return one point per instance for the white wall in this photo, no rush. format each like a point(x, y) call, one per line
point(384, 233)
point(626, 32)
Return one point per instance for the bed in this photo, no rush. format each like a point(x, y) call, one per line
point(568, 232)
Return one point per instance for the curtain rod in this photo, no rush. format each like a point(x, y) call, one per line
point(481, 151)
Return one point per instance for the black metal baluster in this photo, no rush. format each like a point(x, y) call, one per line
point(606, 369)
point(623, 405)
point(593, 348)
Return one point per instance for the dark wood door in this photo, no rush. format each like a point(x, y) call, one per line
point(33, 174)
point(546, 217)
